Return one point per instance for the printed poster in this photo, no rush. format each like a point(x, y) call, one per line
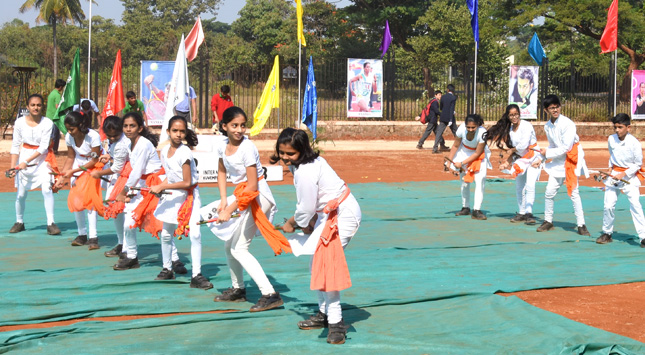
point(523, 89)
point(364, 87)
point(155, 81)
point(638, 94)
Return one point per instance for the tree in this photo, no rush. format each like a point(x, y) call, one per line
point(53, 12)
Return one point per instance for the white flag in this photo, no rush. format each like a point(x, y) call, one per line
point(178, 90)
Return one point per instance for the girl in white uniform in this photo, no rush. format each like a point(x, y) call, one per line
point(118, 169)
point(240, 158)
point(323, 199)
point(29, 154)
point(521, 145)
point(179, 211)
point(471, 158)
point(83, 150)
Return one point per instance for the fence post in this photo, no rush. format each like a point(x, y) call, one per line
point(95, 65)
point(468, 90)
point(612, 88)
point(207, 116)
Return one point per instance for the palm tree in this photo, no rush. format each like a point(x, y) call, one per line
point(53, 12)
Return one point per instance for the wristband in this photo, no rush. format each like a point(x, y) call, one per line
point(82, 168)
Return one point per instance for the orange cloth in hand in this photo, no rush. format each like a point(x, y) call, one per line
point(517, 170)
point(274, 238)
point(114, 208)
point(329, 270)
point(185, 211)
point(86, 193)
point(474, 167)
point(638, 174)
point(143, 215)
point(570, 164)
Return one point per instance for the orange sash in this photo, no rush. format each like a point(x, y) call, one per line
point(86, 193)
point(185, 211)
point(639, 173)
point(570, 178)
point(274, 238)
point(114, 208)
point(517, 170)
point(473, 166)
point(329, 271)
point(143, 214)
point(50, 158)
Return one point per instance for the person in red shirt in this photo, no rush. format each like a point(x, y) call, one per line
point(219, 103)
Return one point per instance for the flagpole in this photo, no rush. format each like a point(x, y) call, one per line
point(299, 79)
point(89, 52)
point(615, 75)
point(475, 82)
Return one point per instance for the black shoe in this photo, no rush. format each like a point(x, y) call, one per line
point(114, 252)
point(53, 229)
point(643, 243)
point(232, 295)
point(604, 239)
point(126, 264)
point(435, 151)
point(93, 244)
point(79, 241)
point(179, 268)
point(479, 215)
point(337, 333)
point(518, 218)
point(529, 219)
point(445, 148)
point(545, 227)
point(166, 274)
point(419, 146)
point(317, 321)
point(465, 211)
point(17, 227)
point(267, 302)
point(582, 230)
point(200, 281)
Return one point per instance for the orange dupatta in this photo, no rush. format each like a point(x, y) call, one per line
point(517, 170)
point(639, 173)
point(329, 270)
point(86, 193)
point(114, 207)
point(474, 166)
point(185, 211)
point(49, 158)
point(570, 164)
point(143, 214)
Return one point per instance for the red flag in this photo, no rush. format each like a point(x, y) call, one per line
point(115, 101)
point(609, 39)
point(194, 39)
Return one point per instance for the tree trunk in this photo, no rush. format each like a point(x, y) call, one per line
point(635, 60)
point(55, 49)
point(427, 82)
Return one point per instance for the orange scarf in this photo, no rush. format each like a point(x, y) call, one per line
point(183, 217)
point(274, 238)
point(570, 164)
point(517, 170)
point(86, 193)
point(329, 271)
point(143, 214)
point(114, 208)
point(50, 158)
point(639, 173)
point(473, 166)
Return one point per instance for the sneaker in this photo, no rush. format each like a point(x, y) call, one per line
point(445, 148)
point(642, 243)
point(582, 230)
point(435, 151)
point(53, 229)
point(166, 274)
point(79, 241)
point(17, 227)
point(200, 281)
point(529, 219)
point(465, 211)
point(545, 227)
point(179, 268)
point(518, 218)
point(114, 252)
point(419, 146)
point(126, 264)
point(337, 333)
point(232, 295)
point(93, 244)
point(604, 239)
point(479, 215)
point(267, 302)
point(317, 321)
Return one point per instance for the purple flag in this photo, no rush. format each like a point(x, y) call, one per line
point(387, 39)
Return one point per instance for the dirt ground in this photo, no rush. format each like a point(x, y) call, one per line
point(615, 308)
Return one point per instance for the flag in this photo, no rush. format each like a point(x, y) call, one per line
point(474, 21)
point(179, 88)
point(301, 34)
point(387, 39)
point(114, 102)
point(270, 99)
point(71, 94)
point(310, 102)
point(609, 39)
point(194, 39)
point(536, 51)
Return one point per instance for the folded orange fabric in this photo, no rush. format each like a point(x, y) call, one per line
point(114, 208)
point(517, 170)
point(570, 164)
point(143, 214)
point(274, 238)
point(640, 173)
point(329, 270)
point(185, 211)
point(86, 193)
point(474, 167)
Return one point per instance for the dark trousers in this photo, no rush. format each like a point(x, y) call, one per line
point(55, 138)
point(439, 134)
point(430, 128)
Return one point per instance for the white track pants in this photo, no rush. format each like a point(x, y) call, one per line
point(552, 188)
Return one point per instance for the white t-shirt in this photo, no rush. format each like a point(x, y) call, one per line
point(92, 139)
point(174, 165)
point(463, 134)
point(627, 153)
point(120, 153)
point(38, 135)
point(246, 155)
point(523, 137)
point(144, 160)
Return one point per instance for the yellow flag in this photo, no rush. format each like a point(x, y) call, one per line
point(301, 35)
point(270, 99)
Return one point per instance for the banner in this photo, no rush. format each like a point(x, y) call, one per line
point(178, 89)
point(155, 81)
point(638, 94)
point(115, 101)
point(270, 99)
point(364, 87)
point(523, 89)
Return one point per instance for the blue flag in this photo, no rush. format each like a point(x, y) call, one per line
point(310, 102)
point(474, 21)
point(536, 51)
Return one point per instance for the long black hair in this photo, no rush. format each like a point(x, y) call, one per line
point(136, 116)
point(78, 120)
point(228, 116)
point(191, 137)
point(113, 124)
point(299, 140)
point(500, 132)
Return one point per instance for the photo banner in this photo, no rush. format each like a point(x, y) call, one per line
point(523, 89)
point(155, 78)
point(638, 94)
point(364, 87)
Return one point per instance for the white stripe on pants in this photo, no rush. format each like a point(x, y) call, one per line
point(525, 189)
point(552, 188)
point(21, 198)
point(480, 184)
point(633, 195)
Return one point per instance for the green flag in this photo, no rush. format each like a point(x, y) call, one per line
point(71, 94)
